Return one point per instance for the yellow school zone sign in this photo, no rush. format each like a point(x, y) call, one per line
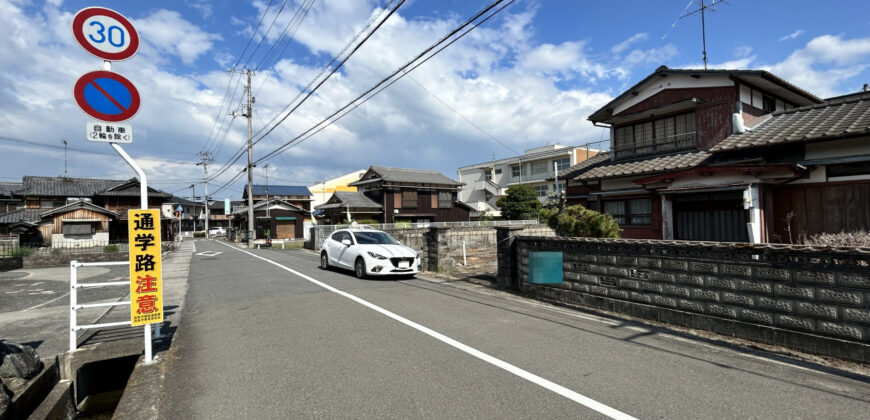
point(146, 271)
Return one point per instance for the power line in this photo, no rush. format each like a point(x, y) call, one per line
point(310, 90)
point(265, 35)
point(389, 80)
point(303, 10)
point(90, 152)
point(254, 33)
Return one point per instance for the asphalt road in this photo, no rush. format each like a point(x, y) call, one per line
point(259, 340)
point(34, 304)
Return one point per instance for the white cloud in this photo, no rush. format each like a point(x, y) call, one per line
point(169, 33)
point(792, 35)
point(742, 51)
point(618, 48)
point(826, 65)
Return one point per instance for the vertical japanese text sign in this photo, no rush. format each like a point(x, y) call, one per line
point(146, 271)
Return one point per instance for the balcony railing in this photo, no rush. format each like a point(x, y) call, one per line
point(649, 147)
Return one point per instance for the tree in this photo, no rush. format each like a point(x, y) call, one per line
point(521, 202)
point(580, 221)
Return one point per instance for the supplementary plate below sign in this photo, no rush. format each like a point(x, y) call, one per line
point(109, 133)
point(106, 96)
point(105, 33)
point(146, 271)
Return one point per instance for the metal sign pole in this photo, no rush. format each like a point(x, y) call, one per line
point(143, 191)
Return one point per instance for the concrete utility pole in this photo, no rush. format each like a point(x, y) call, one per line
point(206, 159)
point(193, 198)
point(249, 115)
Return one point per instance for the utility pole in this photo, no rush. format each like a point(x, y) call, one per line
point(206, 159)
point(702, 9)
point(64, 157)
point(249, 114)
point(193, 198)
point(266, 175)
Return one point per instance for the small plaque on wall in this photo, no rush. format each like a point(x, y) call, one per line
point(545, 267)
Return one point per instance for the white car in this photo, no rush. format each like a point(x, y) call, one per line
point(217, 231)
point(368, 252)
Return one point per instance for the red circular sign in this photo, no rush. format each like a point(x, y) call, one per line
point(105, 33)
point(107, 96)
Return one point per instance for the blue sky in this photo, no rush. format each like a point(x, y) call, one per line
point(527, 78)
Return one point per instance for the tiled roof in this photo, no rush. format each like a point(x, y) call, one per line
point(645, 166)
point(80, 187)
point(352, 199)
point(174, 199)
point(583, 166)
point(281, 190)
point(28, 215)
point(837, 118)
point(7, 188)
point(414, 176)
point(80, 205)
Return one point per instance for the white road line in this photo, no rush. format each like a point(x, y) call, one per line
point(46, 303)
point(552, 386)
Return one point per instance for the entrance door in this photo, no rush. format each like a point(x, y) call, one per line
point(711, 217)
point(285, 227)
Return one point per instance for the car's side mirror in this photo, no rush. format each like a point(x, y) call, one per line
point(346, 242)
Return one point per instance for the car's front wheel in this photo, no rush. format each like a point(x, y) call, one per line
point(324, 261)
point(359, 268)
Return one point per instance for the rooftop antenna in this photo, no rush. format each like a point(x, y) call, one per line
point(702, 9)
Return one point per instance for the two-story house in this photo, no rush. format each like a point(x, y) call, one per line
point(486, 182)
point(298, 195)
point(660, 179)
point(393, 195)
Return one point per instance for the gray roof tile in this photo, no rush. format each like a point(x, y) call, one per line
point(584, 166)
point(645, 166)
point(840, 117)
point(415, 176)
point(353, 199)
point(27, 215)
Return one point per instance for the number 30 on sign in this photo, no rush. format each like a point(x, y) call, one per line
point(105, 33)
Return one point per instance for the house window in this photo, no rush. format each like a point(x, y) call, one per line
point(562, 163)
point(409, 199)
point(634, 212)
point(498, 171)
point(515, 171)
point(445, 200)
point(542, 190)
point(73, 228)
point(539, 168)
point(662, 135)
point(487, 174)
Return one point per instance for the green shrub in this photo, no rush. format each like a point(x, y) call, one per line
point(367, 222)
point(22, 251)
point(199, 234)
point(402, 223)
point(519, 203)
point(110, 248)
point(55, 251)
point(582, 222)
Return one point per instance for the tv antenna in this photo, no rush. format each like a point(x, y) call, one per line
point(701, 10)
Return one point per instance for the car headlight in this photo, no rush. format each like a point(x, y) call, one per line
point(376, 255)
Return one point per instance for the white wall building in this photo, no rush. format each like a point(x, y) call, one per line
point(486, 182)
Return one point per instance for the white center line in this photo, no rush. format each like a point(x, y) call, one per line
point(549, 385)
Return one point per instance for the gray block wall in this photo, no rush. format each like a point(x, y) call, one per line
point(810, 299)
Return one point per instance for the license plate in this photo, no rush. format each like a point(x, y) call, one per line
point(404, 264)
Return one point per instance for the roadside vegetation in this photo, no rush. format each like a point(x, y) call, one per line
point(578, 221)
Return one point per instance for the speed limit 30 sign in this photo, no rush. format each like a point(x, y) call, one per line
point(105, 33)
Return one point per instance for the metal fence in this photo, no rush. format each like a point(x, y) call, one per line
point(25, 249)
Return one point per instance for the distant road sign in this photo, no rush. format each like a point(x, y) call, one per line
point(106, 96)
point(109, 132)
point(105, 33)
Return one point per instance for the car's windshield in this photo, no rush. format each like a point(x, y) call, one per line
point(378, 238)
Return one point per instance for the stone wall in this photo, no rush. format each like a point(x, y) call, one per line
point(814, 300)
point(11, 263)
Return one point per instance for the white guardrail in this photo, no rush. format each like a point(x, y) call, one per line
point(75, 306)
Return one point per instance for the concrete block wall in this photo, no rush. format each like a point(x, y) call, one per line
point(814, 300)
